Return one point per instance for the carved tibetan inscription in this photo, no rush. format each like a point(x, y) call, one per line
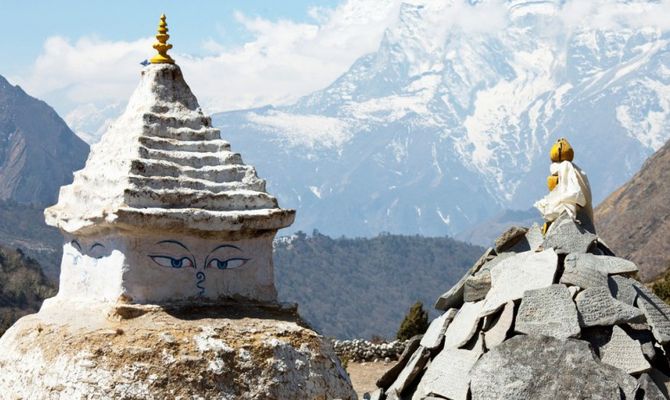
point(597, 307)
point(620, 350)
point(548, 311)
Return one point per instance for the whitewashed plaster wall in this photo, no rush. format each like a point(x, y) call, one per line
point(157, 268)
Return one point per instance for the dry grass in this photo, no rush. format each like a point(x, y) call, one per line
point(364, 375)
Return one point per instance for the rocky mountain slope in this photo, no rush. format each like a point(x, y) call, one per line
point(38, 152)
point(357, 288)
point(635, 219)
point(448, 123)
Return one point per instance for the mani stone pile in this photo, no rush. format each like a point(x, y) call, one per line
point(553, 317)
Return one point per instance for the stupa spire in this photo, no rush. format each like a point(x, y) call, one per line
point(162, 46)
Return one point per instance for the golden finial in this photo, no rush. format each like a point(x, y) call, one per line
point(162, 46)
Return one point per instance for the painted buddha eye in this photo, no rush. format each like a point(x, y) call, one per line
point(229, 263)
point(171, 262)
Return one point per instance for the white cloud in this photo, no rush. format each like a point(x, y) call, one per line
point(87, 70)
point(283, 61)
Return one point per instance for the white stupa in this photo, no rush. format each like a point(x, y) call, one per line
point(163, 210)
point(167, 283)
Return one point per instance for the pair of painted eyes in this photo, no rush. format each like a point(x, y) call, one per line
point(185, 262)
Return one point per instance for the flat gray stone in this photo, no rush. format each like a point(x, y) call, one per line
point(513, 276)
point(463, 325)
point(531, 241)
point(453, 298)
point(548, 311)
point(616, 348)
point(649, 388)
point(656, 311)
point(448, 375)
point(495, 261)
point(597, 307)
point(642, 333)
point(565, 236)
point(408, 375)
point(627, 384)
point(583, 277)
point(476, 343)
point(661, 380)
point(534, 237)
point(498, 332)
point(509, 238)
point(392, 373)
point(477, 286)
point(544, 368)
point(435, 332)
point(623, 289)
point(607, 265)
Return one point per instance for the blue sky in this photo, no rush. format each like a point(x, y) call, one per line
point(25, 24)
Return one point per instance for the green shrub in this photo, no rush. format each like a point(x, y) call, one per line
point(415, 322)
point(661, 288)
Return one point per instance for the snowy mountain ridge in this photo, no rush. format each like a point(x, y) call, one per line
point(450, 120)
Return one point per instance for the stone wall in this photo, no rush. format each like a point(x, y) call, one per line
point(363, 350)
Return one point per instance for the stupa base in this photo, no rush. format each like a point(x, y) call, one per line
point(230, 351)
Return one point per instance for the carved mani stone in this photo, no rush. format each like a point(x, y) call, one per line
point(583, 277)
point(544, 368)
point(548, 311)
point(656, 311)
point(607, 265)
point(514, 275)
point(623, 289)
point(566, 236)
point(616, 348)
point(597, 307)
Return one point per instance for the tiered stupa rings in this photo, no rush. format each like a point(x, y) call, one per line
point(162, 166)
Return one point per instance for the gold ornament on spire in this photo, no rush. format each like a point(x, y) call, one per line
point(162, 46)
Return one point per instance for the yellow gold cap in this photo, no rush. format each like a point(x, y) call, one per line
point(561, 151)
point(161, 45)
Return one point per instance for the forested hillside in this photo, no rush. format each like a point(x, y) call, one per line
point(23, 286)
point(363, 287)
point(22, 226)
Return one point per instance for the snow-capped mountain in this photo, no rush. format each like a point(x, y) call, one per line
point(451, 119)
point(90, 122)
